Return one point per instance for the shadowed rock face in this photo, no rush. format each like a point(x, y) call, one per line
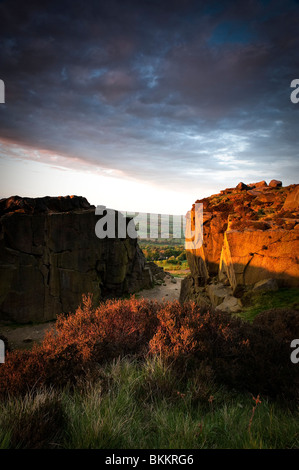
point(250, 233)
point(50, 256)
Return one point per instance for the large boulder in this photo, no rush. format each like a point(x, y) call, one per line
point(230, 304)
point(50, 256)
point(242, 186)
point(260, 184)
point(292, 200)
point(248, 236)
point(275, 184)
point(251, 256)
point(217, 293)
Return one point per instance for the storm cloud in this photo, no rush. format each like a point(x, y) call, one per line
point(199, 91)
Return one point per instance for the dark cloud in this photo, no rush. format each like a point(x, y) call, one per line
point(199, 88)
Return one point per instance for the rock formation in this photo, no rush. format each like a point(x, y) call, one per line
point(50, 256)
point(250, 234)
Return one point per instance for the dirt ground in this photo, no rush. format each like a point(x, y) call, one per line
point(23, 337)
point(169, 291)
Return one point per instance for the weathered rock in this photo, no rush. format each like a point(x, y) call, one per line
point(242, 186)
point(230, 305)
point(260, 184)
point(217, 293)
point(158, 273)
point(275, 184)
point(251, 256)
point(50, 256)
point(204, 261)
point(187, 285)
point(248, 236)
point(266, 285)
point(148, 280)
point(190, 291)
point(292, 200)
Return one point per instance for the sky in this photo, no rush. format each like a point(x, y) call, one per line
point(147, 105)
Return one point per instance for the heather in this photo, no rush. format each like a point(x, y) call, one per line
point(137, 373)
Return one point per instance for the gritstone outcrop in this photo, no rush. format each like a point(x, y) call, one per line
point(250, 233)
point(50, 256)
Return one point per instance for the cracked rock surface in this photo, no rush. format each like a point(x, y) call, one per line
point(250, 234)
point(50, 256)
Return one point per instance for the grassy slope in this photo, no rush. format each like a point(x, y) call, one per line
point(256, 303)
point(144, 406)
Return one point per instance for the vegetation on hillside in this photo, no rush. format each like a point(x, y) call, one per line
point(256, 302)
point(134, 373)
point(144, 405)
point(155, 252)
point(171, 258)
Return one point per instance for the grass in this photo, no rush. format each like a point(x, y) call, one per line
point(35, 421)
point(168, 395)
point(255, 303)
point(179, 274)
point(178, 270)
point(144, 405)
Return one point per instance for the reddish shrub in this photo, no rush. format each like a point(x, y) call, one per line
point(22, 371)
point(187, 329)
point(114, 328)
point(91, 334)
point(241, 355)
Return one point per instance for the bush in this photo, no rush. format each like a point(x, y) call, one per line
point(114, 328)
point(283, 322)
point(242, 356)
point(186, 337)
point(22, 371)
point(90, 335)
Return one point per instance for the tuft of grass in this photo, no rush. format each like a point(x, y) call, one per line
point(33, 422)
point(258, 302)
point(137, 374)
point(129, 410)
point(133, 413)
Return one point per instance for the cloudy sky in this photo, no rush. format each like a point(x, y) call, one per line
point(147, 105)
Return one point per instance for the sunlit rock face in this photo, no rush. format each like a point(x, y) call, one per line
point(50, 256)
point(250, 233)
